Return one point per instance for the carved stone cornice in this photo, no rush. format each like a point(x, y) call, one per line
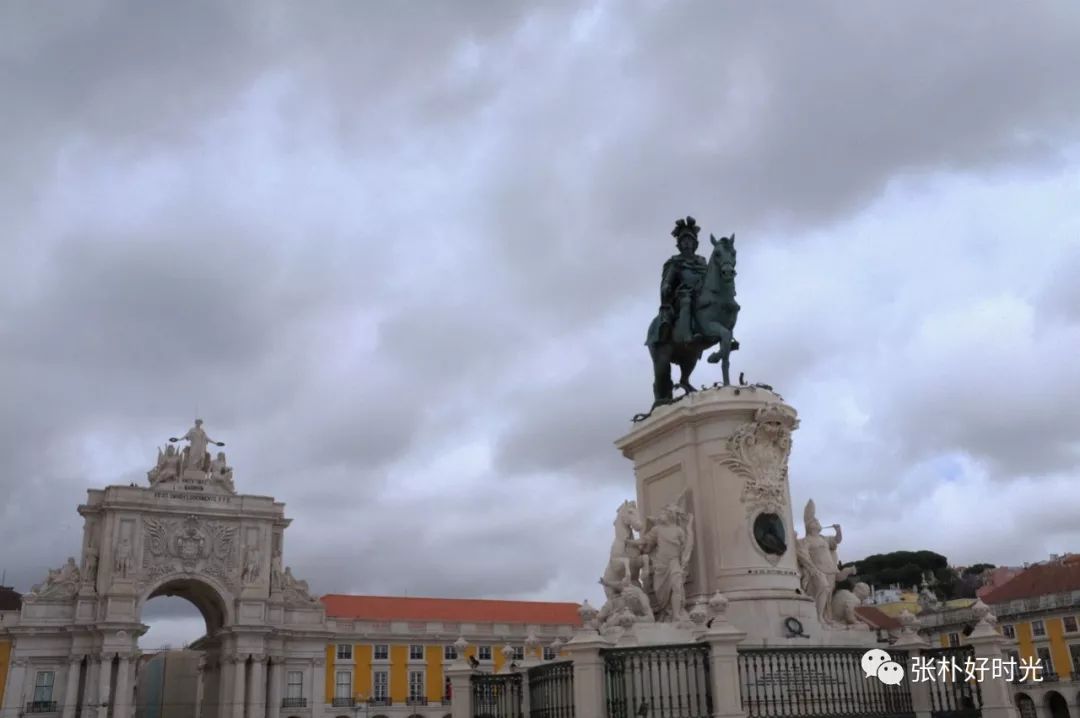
point(259, 658)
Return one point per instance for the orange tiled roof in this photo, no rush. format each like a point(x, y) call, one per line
point(459, 610)
point(878, 618)
point(1039, 580)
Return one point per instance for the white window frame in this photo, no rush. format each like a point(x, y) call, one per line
point(1065, 626)
point(1008, 630)
point(346, 654)
point(449, 652)
point(384, 686)
point(1074, 656)
point(954, 640)
point(422, 695)
point(549, 653)
point(519, 653)
point(1041, 633)
point(416, 648)
point(386, 651)
point(289, 684)
point(338, 684)
point(43, 686)
point(481, 650)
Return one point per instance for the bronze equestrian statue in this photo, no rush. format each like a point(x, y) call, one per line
point(697, 310)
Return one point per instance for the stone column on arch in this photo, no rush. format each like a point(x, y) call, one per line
point(104, 698)
point(226, 673)
point(256, 700)
point(239, 671)
point(14, 692)
point(200, 687)
point(277, 670)
point(90, 687)
point(122, 699)
point(318, 688)
point(71, 688)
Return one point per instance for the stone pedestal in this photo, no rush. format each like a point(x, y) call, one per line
point(724, 453)
point(460, 688)
point(584, 649)
point(997, 698)
point(723, 640)
point(920, 689)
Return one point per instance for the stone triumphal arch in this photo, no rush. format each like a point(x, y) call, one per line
point(187, 533)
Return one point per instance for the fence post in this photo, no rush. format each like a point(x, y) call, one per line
point(723, 639)
point(460, 675)
point(912, 642)
point(584, 649)
point(997, 699)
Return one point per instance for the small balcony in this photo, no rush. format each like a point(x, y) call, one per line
point(41, 707)
point(379, 702)
point(294, 702)
point(445, 701)
point(1050, 677)
point(343, 702)
point(416, 701)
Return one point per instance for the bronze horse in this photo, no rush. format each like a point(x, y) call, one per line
point(712, 313)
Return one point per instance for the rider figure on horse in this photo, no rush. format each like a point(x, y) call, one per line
point(680, 286)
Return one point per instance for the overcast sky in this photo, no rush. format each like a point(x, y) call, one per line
point(401, 258)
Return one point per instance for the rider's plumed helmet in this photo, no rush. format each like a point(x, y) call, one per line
point(686, 228)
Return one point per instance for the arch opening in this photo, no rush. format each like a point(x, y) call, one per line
point(1056, 705)
point(1025, 706)
point(184, 618)
point(203, 596)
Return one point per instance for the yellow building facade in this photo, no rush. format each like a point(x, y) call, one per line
point(394, 651)
point(1039, 609)
point(411, 673)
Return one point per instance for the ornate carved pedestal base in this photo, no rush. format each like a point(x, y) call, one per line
point(728, 448)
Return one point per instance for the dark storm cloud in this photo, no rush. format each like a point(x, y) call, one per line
point(356, 237)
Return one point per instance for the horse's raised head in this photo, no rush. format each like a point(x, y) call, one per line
point(724, 244)
point(723, 254)
point(628, 514)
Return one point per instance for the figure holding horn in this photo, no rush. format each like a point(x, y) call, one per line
point(819, 564)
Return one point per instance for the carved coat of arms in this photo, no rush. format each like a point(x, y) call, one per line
point(758, 452)
point(190, 546)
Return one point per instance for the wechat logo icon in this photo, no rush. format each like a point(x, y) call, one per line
point(878, 664)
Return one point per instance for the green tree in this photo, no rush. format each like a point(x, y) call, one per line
point(910, 568)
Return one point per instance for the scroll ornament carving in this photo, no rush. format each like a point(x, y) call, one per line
point(60, 585)
point(190, 546)
point(758, 453)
